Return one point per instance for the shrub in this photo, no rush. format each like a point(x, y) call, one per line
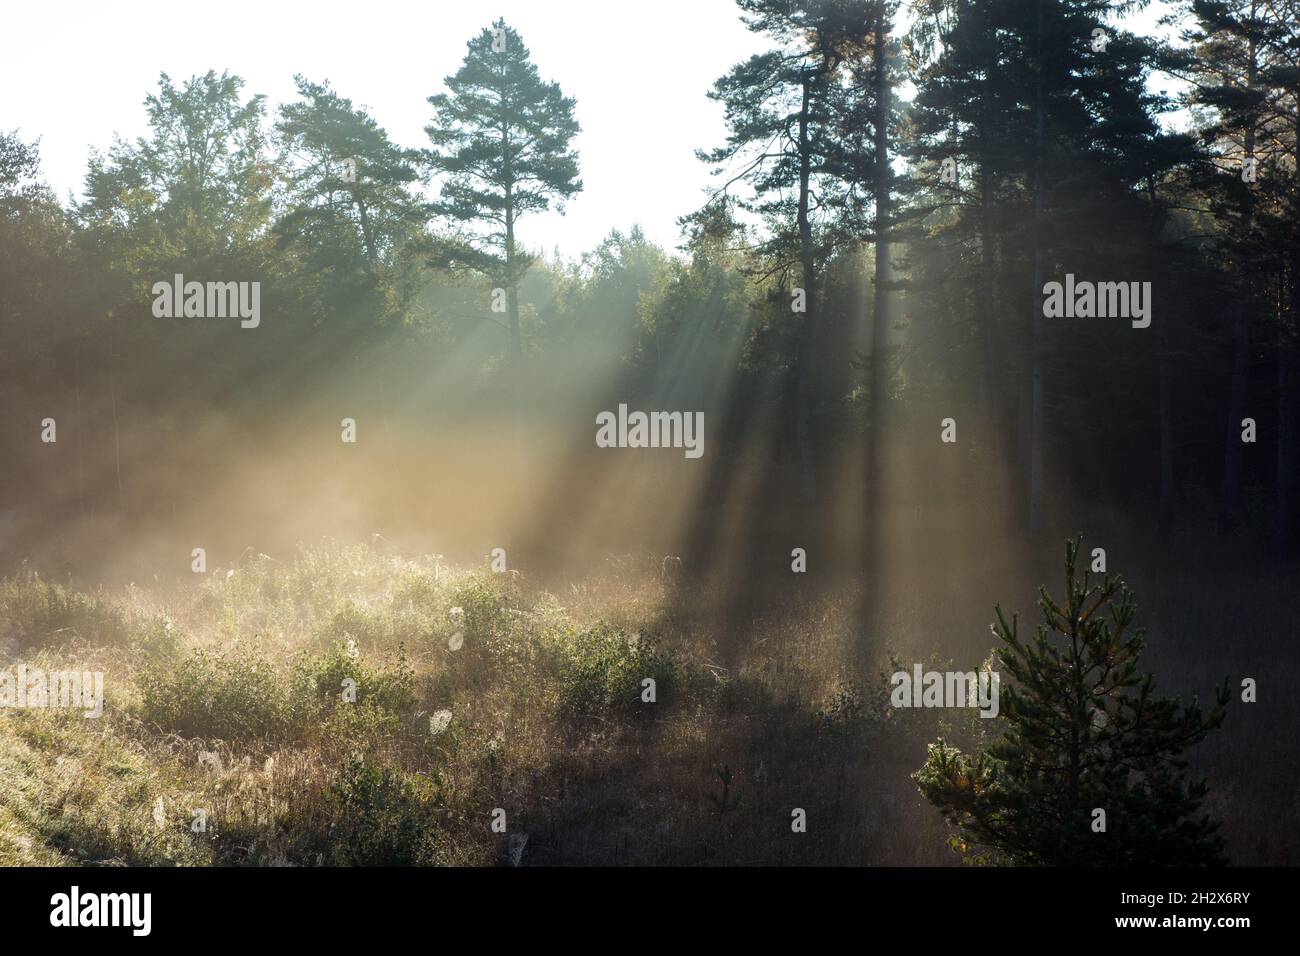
point(35, 612)
point(156, 637)
point(352, 621)
point(604, 669)
point(484, 608)
point(379, 815)
point(390, 685)
point(214, 695)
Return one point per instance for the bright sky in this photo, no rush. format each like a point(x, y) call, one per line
point(75, 73)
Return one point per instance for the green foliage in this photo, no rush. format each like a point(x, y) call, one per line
point(389, 686)
point(564, 732)
point(353, 227)
point(156, 637)
point(1083, 731)
point(215, 695)
point(39, 613)
point(724, 801)
point(351, 621)
point(241, 695)
point(379, 816)
point(502, 144)
point(602, 671)
point(788, 114)
point(482, 608)
point(501, 138)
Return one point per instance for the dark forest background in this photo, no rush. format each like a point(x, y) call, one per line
point(922, 297)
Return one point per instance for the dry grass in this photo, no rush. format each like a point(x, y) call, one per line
point(547, 720)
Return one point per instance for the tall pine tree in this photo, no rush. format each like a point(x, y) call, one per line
point(1244, 67)
point(786, 113)
point(350, 212)
point(502, 140)
point(1045, 110)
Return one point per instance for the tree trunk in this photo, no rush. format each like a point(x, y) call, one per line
point(880, 310)
point(1239, 385)
point(511, 280)
point(516, 343)
point(81, 454)
point(1288, 383)
point(368, 237)
point(1237, 392)
point(117, 438)
point(1284, 527)
point(808, 329)
point(1165, 512)
point(991, 382)
point(1034, 411)
point(512, 287)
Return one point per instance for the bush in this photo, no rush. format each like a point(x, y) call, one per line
point(1083, 730)
point(156, 638)
point(241, 695)
point(213, 695)
point(352, 621)
point(389, 686)
point(604, 669)
point(379, 815)
point(35, 613)
point(485, 613)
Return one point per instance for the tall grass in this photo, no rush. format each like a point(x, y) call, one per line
point(347, 730)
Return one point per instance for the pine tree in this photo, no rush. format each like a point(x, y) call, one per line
point(787, 112)
point(349, 203)
point(1085, 732)
point(502, 139)
point(1243, 64)
point(1061, 161)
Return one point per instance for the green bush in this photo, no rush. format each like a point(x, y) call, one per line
point(485, 613)
point(156, 638)
point(36, 613)
point(380, 816)
point(603, 670)
point(241, 695)
point(215, 695)
point(352, 621)
point(390, 686)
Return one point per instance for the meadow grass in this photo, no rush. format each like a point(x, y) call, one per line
point(538, 711)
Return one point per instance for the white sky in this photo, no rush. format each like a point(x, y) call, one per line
point(75, 73)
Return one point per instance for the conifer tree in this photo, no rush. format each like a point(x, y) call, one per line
point(787, 110)
point(1243, 64)
point(1085, 732)
point(503, 141)
point(349, 202)
point(1046, 110)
